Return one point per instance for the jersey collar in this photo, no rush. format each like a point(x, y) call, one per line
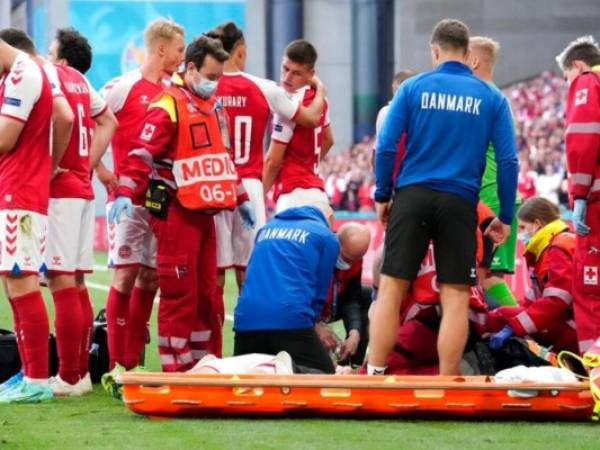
point(454, 67)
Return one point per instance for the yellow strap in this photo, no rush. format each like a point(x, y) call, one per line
point(563, 362)
point(167, 103)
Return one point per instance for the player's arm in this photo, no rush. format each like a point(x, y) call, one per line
point(310, 115)
point(394, 125)
point(329, 254)
point(106, 125)
point(582, 136)
point(327, 142)
point(504, 142)
point(107, 177)
point(283, 130)
point(10, 130)
point(62, 129)
point(273, 163)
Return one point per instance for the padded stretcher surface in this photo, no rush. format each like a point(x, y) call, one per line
point(161, 394)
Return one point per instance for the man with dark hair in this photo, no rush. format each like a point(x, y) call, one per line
point(71, 48)
point(580, 63)
point(18, 39)
point(249, 102)
point(450, 117)
point(292, 162)
point(184, 146)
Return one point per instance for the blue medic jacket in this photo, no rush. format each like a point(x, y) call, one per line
point(450, 117)
point(289, 272)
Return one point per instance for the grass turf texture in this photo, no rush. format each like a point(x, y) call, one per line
point(98, 421)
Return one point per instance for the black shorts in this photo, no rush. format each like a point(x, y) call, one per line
point(420, 215)
point(303, 345)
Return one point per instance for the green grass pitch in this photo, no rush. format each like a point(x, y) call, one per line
point(97, 421)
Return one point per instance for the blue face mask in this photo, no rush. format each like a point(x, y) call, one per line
point(342, 264)
point(205, 88)
point(525, 237)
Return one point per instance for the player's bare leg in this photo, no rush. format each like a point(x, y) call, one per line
point(386, 319)
point(240, 276)
point(454, 327)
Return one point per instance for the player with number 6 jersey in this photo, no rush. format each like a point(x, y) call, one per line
point(292, 162)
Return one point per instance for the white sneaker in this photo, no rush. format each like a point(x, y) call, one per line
point(283, 364)
point(61, 388)
point(85, 384)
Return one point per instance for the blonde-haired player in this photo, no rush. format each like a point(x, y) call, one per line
point(483, 57)
point(132, 246)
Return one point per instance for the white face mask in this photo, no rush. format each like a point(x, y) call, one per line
point(205, 88)
point(342, 264)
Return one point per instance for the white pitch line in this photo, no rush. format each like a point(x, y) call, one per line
point(105, 288)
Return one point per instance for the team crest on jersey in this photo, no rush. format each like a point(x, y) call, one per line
point(581, 97)
point(148, 132)
point(125, 251)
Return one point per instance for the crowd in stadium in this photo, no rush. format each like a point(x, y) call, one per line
point(187, 203)
point(538, 108)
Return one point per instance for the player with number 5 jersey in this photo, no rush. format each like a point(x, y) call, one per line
point(292, 162)
point(250, 103)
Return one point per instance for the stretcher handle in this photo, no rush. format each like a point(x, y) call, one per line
point(149, 379)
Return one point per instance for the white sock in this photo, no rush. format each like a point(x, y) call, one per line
point(375, 370)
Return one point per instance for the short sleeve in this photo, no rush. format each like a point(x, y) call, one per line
point(97, 104)
point(280, 102)
point(23, 87)
point(283, 129)
point(52, 74)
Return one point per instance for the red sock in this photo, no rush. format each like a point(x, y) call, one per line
point(87, 315)
point(140, 310)
point(117, 306)
point(34, 332)
point(68, 326)
point(20, 345)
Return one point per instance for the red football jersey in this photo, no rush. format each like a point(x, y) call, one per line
point(73, 178)
point(26, 95)
point(249, 102)
point(128, 96)
point(300, 167)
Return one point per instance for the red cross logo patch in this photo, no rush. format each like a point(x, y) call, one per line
point(148, 132)
point(590, 275)
point(581, 97)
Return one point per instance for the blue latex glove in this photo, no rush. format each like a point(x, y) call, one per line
point(120, 204)
point(579, 217)
point(248, 214)
point(497, 340)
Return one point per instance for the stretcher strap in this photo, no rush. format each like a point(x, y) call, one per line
point(595, 388)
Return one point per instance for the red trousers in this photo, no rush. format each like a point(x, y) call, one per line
point(561, 336)
point(187, 274)
point(586, 280)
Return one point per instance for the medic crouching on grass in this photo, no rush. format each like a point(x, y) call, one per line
point(181, 157)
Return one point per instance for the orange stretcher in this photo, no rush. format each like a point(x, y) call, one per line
point(186, 394)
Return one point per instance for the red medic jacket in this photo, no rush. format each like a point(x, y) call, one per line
point(549, 256)
point(582, 135)
point(155, 148)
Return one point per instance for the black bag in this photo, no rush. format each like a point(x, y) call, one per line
point(99, 359)
point(10, 362)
